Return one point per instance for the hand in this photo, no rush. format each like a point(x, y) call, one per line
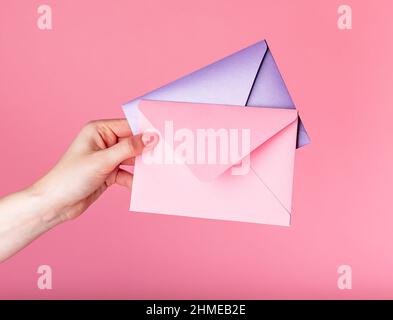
point(91, 165)
point(86, 170)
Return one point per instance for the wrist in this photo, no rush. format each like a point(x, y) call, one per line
point(48, 211)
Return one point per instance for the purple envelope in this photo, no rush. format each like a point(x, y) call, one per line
point(249, 77)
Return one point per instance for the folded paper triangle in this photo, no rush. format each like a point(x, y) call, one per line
point(219, 132)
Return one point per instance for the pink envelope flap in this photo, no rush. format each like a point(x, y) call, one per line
point(260, 124)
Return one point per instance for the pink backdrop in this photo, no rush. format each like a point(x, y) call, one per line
point(100, 54)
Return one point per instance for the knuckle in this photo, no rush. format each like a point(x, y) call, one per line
point(90, 125)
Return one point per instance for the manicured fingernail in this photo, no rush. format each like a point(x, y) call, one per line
point(149, 139)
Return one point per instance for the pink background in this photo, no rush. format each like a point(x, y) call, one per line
point(101, 54)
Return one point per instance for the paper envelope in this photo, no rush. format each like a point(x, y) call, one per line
point(260, 193)
point(249, 77)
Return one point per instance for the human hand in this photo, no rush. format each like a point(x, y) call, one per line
point(90, 166)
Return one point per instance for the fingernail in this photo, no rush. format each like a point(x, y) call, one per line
point(149, 139)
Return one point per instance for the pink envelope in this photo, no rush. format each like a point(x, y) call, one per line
point(178, 177)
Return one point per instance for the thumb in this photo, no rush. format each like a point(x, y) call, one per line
point(125, 149)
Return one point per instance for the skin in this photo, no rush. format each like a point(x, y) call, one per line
point(89, 166)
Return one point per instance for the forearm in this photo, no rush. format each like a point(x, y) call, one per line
point(24, 216)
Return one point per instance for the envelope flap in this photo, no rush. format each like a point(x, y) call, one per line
point(206, 128)
point(227, 81)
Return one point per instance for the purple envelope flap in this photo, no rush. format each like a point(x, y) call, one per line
point(227, 81)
